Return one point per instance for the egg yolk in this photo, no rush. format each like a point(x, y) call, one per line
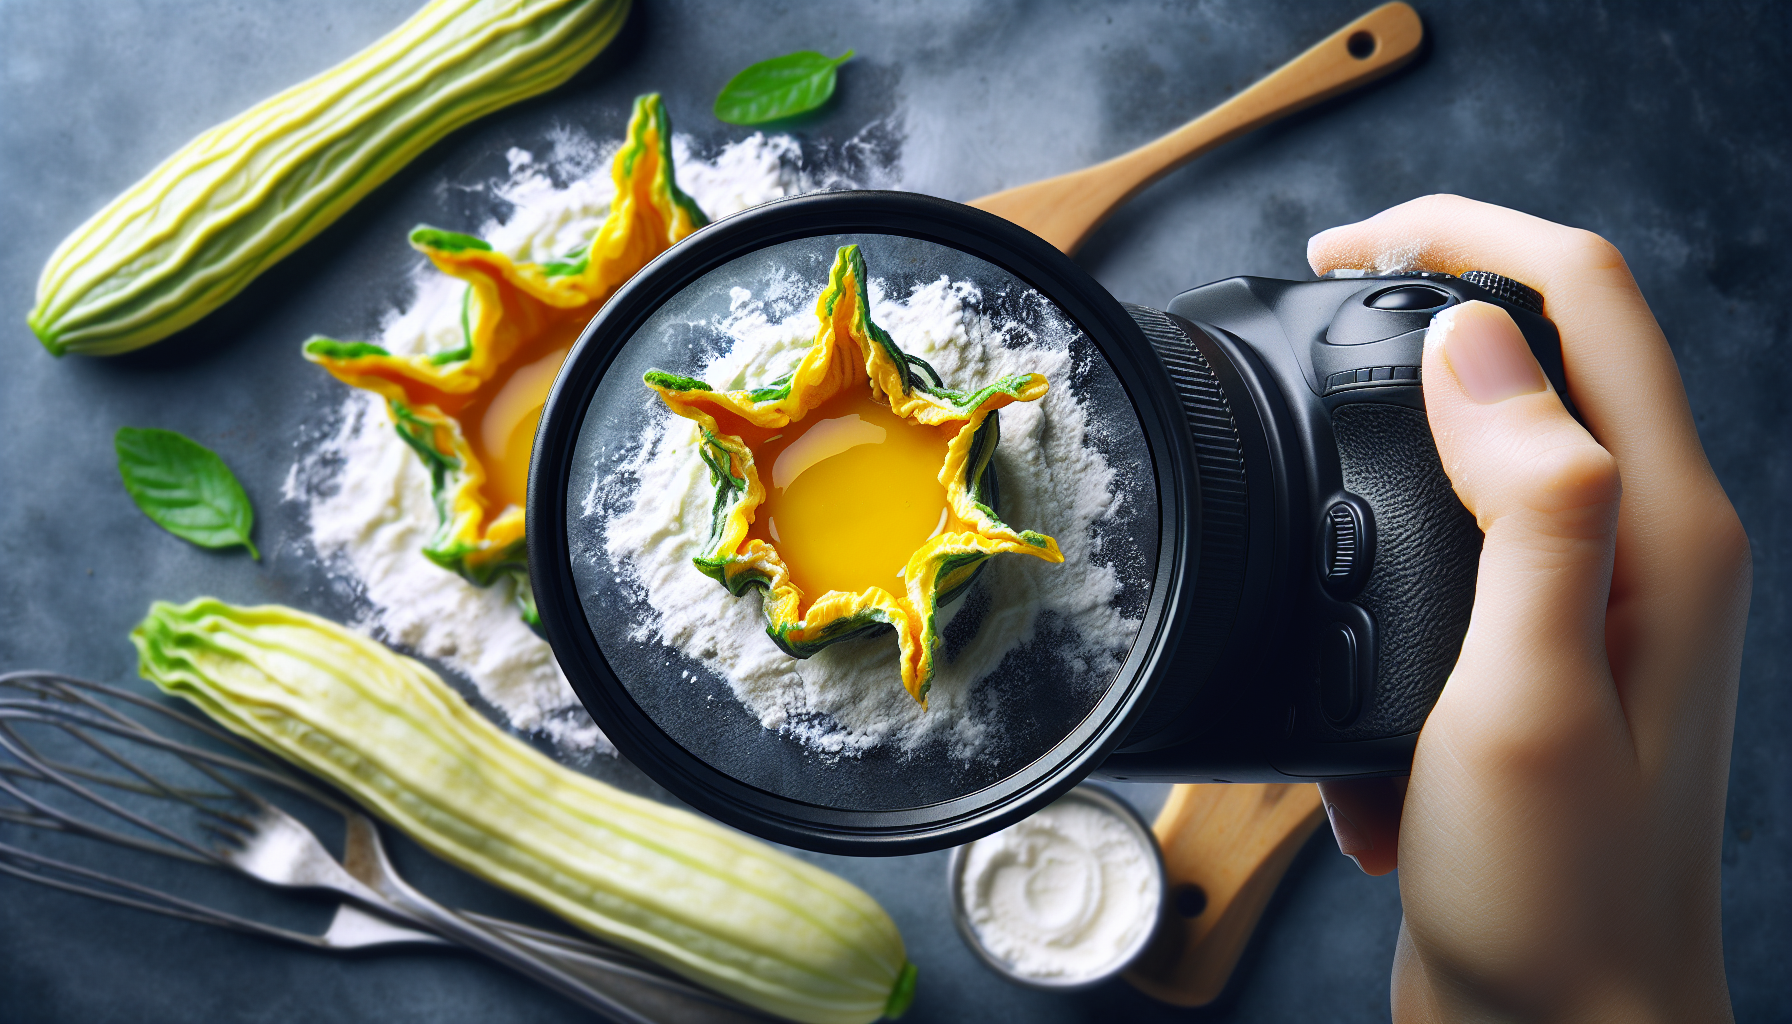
point(852, 490)
point(499, 420)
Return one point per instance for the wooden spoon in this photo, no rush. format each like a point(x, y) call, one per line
point(1065, 209)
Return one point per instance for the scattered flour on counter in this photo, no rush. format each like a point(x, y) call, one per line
point(367, 494)
point(849, 698)
point(371, 515)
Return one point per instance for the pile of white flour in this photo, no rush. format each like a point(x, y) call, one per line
point(654, 516)
point(367, 494)
point(1066, 895)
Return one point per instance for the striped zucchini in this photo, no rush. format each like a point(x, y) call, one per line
point(238, 198)
point(720, 908)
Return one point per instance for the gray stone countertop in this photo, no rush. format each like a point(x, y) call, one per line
point(1662, 126)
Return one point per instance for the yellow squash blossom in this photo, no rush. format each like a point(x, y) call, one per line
point(851, 352)
point(470, 413)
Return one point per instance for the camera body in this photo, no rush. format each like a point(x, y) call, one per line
point(1336, 566)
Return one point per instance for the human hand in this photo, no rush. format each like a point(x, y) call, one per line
point(1559, 838)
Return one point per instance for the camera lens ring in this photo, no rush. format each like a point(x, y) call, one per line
point(1224, 502)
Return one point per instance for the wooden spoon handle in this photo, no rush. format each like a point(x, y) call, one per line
point(1065, 209)
point(1225, 849)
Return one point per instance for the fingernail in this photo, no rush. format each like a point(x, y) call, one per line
point(1486, 352)
point(1351, 840)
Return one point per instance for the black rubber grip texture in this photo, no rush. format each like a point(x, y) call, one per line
point(1225, 512)
point(1521, 295)
point(1427, 550)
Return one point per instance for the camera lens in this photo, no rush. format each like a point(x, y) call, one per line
point(1231, 460)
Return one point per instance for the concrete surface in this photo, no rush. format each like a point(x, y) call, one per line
point(1662, 126)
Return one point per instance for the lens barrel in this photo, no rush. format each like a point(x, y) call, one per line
point(1219, 438)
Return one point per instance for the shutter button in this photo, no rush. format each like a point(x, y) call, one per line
point(1408, 297)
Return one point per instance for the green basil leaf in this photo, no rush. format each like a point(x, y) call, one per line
point(780, 87)
point(184, 487)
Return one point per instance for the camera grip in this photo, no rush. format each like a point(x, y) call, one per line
point(1421, 586)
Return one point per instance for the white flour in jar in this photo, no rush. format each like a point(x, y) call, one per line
point(848, 699)
point(1064, 896)
point(367, 494)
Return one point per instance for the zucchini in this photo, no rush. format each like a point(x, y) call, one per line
point(718, 907)
point(241, 196)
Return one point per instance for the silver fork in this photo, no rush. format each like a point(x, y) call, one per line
point(673, 998)
point(270, 845)
point(273, 846)
point(354, 929)
point(350, 929)
point(364, 858)
point(276, 848)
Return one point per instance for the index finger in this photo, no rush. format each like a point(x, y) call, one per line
point(1620, 370)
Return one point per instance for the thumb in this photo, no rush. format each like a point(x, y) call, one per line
point(1545, 494)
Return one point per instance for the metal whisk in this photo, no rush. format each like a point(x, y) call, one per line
point(130, 777)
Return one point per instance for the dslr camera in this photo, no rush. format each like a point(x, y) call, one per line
point(1337, 566)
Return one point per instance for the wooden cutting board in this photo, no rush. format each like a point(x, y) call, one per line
point(1225, 849)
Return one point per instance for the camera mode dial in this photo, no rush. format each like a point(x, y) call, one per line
point(1520, 295)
